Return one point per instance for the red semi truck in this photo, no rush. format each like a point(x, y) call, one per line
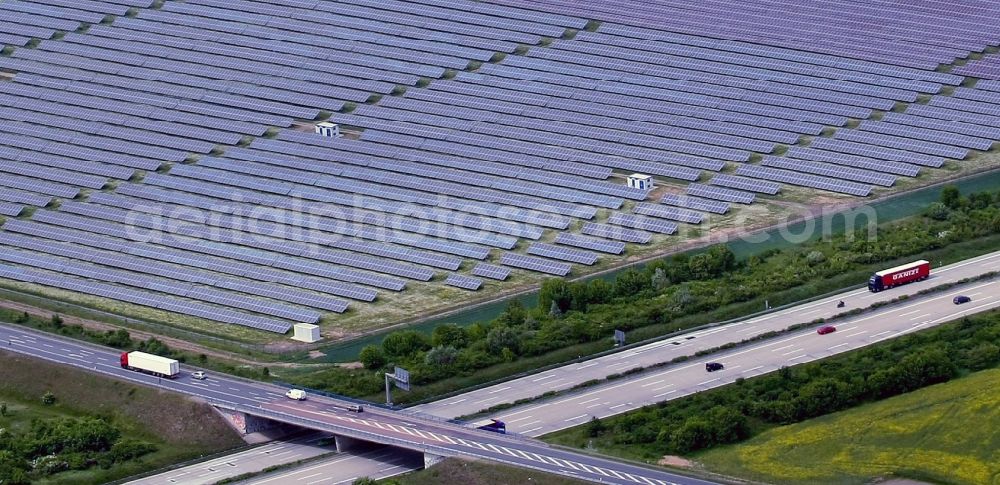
point(900, 275)
point(150, 364)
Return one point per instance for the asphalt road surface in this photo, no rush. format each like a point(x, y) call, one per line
point(247, 461)
point(372, 461)
point(807, 345)
point(690, 343)
point(404, 429)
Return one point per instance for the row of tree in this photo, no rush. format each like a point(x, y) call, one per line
point(738, 411)
point(667, 293)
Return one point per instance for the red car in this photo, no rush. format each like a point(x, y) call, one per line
point(826, 329)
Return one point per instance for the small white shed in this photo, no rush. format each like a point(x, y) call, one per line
point(326, 128)
point(640, 181)
point(306, 332)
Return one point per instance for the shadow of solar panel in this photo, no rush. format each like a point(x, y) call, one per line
point(565, 254)
point(610, 247)
point(464, 282)
point(535, 264)
point(491, 271)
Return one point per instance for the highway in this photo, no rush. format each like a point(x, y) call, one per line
point(404, 429)
point(253, 460)
point(675, 381)
point(688, 344)
point(373, 461)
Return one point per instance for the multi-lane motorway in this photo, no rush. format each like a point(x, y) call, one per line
point(415, 430)
point(688, 344)
point(766, 356)
point(253, 460)
point(384, 426)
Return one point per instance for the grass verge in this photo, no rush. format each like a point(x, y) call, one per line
point(180, 428)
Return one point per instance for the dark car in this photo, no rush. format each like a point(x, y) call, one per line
point(713, 366)
point(825, 329)
point(961, 299)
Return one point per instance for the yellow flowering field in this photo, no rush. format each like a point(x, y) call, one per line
point(948, 433)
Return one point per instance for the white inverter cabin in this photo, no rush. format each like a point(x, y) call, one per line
point(640, 181)
point(326, 128)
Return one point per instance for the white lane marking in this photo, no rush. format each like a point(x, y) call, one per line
point(576, 417)
point(499, 390)
point(617, 406)
point(590, 400)
point(797, 357)
point(838, 345)
point(908, 313)
point(708, 381)
point(882, 333)
point(543, 378)
point(665, 393)
point(855, 333)
point(594, 405)
point(652, 383)
point(532, 429)
point(800, 349)
point(753, 369)
point(922, 315)
point(456, 402)
point(518, 419)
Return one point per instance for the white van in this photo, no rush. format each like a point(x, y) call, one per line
point(296, 394)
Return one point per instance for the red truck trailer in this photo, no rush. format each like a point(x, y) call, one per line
point(150, 364)
point(900, 275)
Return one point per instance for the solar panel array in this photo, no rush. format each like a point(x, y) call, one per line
point(806, 180)
point(592, 243)
point(643, 223)
point(696, 203)
point(719, 193)
point(491, 271)
point(917, 36)
point(743, 183)
point(562, 253)
point(465, 282)
point(532, 263)
point(463, 148)
point(672, 213)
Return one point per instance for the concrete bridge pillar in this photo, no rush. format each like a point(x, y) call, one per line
point(431, 459)
point(247, 423)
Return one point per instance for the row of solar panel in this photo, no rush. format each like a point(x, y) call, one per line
point(561, 98)
point(147, 266)
point(359, 233)
point(258, 266)
point(144, 298)
point(130, 278)
point(407, 195)
point(228, 229)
